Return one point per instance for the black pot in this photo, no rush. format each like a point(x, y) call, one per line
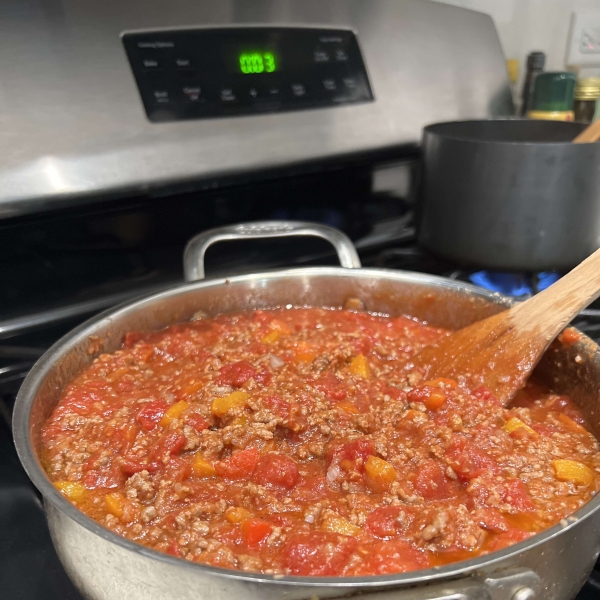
point(510, 194)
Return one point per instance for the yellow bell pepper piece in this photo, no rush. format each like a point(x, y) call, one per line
point(237, 514)
point(348, 407)
point(271, 337)
point(515, 423)
point(571, 470)
point(360, 367)
point(380, 473)
point(114, 504)
point(173, 412)
point(72, 490)
point(202, 468)
point(220, 406)
point(337, 524)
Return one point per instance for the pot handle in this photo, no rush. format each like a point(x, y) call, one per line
point(193, 257)
point(511, 584)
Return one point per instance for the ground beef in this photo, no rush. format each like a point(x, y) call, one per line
point(300, 441)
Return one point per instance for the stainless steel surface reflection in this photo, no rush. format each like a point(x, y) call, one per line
point(74, 128)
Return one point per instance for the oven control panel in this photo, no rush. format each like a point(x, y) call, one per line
point(223, 72)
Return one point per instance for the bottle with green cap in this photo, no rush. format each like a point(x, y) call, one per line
point(553, 94)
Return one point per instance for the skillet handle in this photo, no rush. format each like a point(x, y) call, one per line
point(510, 584)
point(193, 257)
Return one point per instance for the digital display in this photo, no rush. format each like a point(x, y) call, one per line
point(257, 62)
point(229, 71)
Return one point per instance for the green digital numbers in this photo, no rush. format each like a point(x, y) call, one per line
point(257, 62)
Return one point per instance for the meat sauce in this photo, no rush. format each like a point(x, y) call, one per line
point(301, 441)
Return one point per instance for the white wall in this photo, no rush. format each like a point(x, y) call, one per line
point(526, 25)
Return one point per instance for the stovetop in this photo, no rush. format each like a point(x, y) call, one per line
point(29, 566)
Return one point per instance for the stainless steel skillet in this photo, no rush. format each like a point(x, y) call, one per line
point(552, 565)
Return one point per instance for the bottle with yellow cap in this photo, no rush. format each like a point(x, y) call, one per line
point(587, 100)
point(553, 96)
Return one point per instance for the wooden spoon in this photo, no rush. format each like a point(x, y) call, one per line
point(590, 134)
point(501, 351)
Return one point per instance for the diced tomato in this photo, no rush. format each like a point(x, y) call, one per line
point(240, 465)
point(173, 442)
point(276, 469)
point(395, 556)
point(109, 478)
point(383, 522)
point(485, 394)
point(151, 414)
point(432, 483)
point(129, 466)
point(310, 489)
point(331, 386)
point(197, 421)
point(468, 461)
point(517, 495)
point(359, 449)
point(317, 553)
point(178, 469)
point(280, 407)
point(236, 374)
point(255, 531)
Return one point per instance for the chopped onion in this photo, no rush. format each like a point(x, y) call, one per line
point(276, 362)
point(333, 473)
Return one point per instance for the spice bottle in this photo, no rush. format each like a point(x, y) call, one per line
point(535, 66)
point(587, 100)
point(553, 96)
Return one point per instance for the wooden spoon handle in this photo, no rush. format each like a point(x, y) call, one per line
point(552, 309)
point(590, 134)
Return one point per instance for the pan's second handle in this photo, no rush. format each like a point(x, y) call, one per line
point(193, 257)
point(511, 584)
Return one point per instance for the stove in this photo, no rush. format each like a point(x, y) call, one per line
point(154, 121)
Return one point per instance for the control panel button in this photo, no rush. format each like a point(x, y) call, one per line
point(161, 96)
point(330, 84)
point(183, 63)
point(350, 83)
point(341, 55)
point(150, 63)
point(298, 89)
point(253, 92)
point(192, 92)
point(321, 56)
point(227, 95)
